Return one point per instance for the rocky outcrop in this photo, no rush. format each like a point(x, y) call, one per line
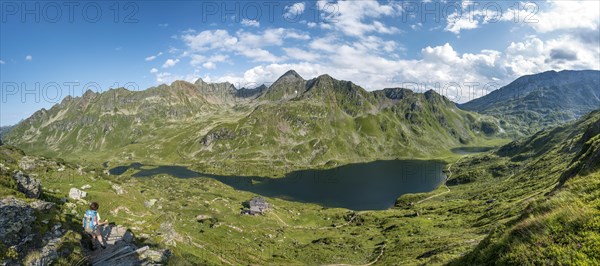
point(31, 187)
point(41, 205)
point(77, 194)
point(150, 203)
point(50, 251)
point(201, 218)
point(121, 250)
point(16, 218)
point(217, 135)
point(28, 163)
point(118, 189)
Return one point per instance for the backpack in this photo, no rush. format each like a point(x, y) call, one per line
point(90, 221)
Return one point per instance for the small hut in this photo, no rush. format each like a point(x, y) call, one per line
point(257, 205)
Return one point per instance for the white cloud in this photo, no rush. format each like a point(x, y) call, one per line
point(267, 74)
point(152, 57)
point(28, 58)
point(443, 53)
point(534, 55)
point(248, 44)
point(293, 12)
point(567, 15)
point(208, 62)
point(163, 77)
point(2, 62)
point(201, 59)
point(470, 17)
point(361, 48)
point(250, 23)
point(168, 78)
point(208, 39)
point(352, 17)
point(458, 22)
point(218, 58)
point(170, 63)
point(416, 26)
point(326, 44)
point(209, 65)
point(439, 67)
point(197, 59)
point(258, 54)
point(153, 70)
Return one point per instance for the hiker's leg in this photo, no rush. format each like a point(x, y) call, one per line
point(100, 239)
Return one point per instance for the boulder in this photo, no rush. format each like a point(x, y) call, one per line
point(86, 187)
point(77, 194)
point(31, 187)
point(41, 205)
point(202, 217)
point(156, 256)
point(118, 189)
point(28, 163)
point(118, 233)
point(150, 203)
point(16, 218)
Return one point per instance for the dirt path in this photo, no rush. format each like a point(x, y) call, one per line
point(368, 264)
point(447, 178)
point(280, 220)
point(314, 228)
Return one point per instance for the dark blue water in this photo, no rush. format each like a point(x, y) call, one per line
point(364, 186)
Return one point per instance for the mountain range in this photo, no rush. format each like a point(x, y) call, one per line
point(292, 122)
point(538, 101)
point(296, 122)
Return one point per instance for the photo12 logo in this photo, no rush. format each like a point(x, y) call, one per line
point(68, 11)
point(268, 11)
point(53, 92)
point(487, 11)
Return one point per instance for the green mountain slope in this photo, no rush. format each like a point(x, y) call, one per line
point(292, 122)
point(534, 102)
point(555, 178)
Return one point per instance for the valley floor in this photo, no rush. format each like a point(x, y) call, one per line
point(431, 228)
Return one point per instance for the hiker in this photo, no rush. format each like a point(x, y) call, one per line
point(91, 223)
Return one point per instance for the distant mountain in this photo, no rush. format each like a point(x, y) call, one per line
point(288, 86)
point(533, 102)
point(4, 130)
point(293, 121)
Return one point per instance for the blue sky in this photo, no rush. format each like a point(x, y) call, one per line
point(463, 49)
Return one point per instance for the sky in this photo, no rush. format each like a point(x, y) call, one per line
point(462, 49)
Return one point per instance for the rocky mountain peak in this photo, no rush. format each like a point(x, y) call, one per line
point(396, 93)
point(199, 82)
point(290, 76)
point(88, 94)
point(292, 73)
